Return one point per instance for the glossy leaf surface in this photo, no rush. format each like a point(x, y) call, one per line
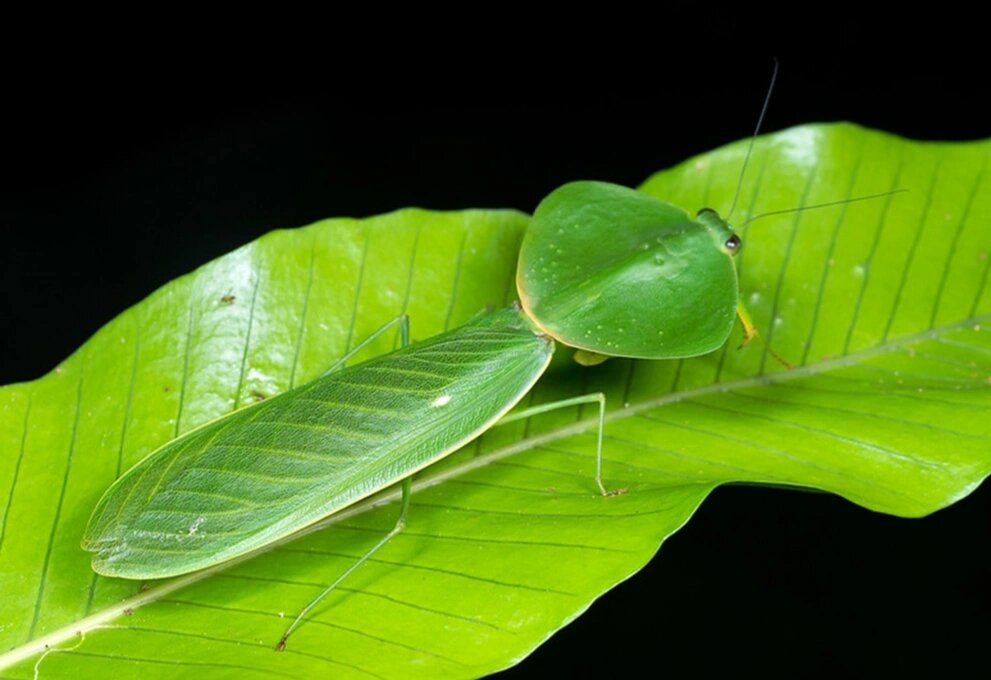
point(884, 306)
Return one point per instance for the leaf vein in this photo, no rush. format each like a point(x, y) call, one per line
point(457, 280)
point(318, 622)
point(882, 222)
point(17, 470)
point(302, 317)
point(913, 249)
point(184, 379)
point(241, 643)
point(956, 240)
point(826, 269)
point(180, 664)
point(369, 593)
point(61, 500)
point(776, 300)
point(436, 570)
point(247, 339)
point(826, 433)
point(357, 294)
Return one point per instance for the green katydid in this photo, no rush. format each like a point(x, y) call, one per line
point(602, 268)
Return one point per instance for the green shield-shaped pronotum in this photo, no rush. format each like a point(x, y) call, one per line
point(612, 271)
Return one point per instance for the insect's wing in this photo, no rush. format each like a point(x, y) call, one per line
point(610, 270)
point(267, 471)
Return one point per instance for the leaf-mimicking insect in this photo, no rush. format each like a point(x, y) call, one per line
point(602, 268)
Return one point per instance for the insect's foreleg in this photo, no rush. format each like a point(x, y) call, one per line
point(749, 330)
point(402, 320)
point(400, 525)
point(597, 397)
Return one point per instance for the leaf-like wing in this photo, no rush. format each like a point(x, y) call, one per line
point(244, 481)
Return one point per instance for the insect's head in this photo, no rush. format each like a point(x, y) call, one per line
point(726, 239)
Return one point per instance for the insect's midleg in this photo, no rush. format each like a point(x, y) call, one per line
point(597, 397)
point(400, 525)
point(402, 320)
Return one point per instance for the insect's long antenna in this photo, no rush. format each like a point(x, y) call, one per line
point(753, 139)
point(855, 199)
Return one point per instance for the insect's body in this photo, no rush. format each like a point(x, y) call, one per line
point(244, 481)
point(602, 268)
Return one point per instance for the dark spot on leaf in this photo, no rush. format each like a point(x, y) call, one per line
point(258, 396)
point(228, 299)
point(166, 388)
point(128, 611)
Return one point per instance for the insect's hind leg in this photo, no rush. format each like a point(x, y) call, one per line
point(402, 320)
point(597, 397)
point(400, 525)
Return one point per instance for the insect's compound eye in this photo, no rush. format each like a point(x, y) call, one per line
point(733, 243)
point(705, 211)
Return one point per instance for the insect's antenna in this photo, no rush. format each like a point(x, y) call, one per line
point(753, 139)
point(845, 201)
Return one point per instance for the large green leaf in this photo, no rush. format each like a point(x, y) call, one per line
point(883, 305)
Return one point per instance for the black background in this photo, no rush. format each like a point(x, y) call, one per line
point(112, 188)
